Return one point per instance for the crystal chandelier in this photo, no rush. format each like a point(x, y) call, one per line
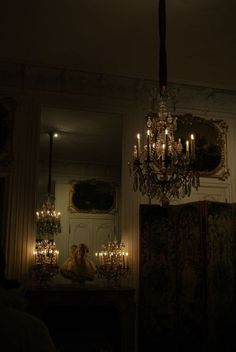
point(164, 168)
point(48, 219)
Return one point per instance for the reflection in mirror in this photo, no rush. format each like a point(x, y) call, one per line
point(88, 147)
point(211, 143)
point(92, 196)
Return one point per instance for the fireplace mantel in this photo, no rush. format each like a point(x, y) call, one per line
point(87, 310)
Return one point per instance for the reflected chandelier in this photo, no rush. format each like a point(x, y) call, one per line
point(48, 219)
point(164, 168)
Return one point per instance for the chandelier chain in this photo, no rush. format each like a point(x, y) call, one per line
point(48, 219)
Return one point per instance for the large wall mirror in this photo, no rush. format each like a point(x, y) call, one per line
point(88, 147)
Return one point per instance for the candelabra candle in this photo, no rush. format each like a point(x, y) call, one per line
point(187, 150)
point(163, 152)
point(135, 152)
point(187, 146)
point(138, 145)
point(192, 145)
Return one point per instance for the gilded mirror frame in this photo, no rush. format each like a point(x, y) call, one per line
point(211, 143)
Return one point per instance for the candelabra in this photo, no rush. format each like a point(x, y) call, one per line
point(112, 262)
point(45, 260)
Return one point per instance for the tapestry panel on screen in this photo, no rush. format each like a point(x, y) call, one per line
point(184, 250)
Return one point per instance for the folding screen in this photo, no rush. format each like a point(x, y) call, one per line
point(186, 293)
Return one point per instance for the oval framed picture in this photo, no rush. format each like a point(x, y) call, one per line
point(92, 196)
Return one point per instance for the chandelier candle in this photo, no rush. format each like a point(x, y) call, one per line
point(192, 146)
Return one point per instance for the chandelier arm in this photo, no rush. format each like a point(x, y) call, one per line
point(162, 51)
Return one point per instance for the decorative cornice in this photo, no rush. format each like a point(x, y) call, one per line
point(49, 79)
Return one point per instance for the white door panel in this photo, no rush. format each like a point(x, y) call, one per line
point(92, 231)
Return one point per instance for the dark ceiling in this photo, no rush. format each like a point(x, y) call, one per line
point(120, 37)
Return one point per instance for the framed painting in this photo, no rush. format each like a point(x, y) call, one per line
point(210, 141)
point(92, 196)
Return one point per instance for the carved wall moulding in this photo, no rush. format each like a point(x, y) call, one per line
point(47, 78)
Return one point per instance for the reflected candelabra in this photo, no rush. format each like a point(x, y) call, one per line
point(112, 262)
point(45, 260)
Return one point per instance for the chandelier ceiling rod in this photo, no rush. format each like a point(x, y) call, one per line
point(50, 164)
point(48, 219)
point(162, 46)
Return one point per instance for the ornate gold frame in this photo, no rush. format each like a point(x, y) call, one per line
point(214, 131)
point(74, 209)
